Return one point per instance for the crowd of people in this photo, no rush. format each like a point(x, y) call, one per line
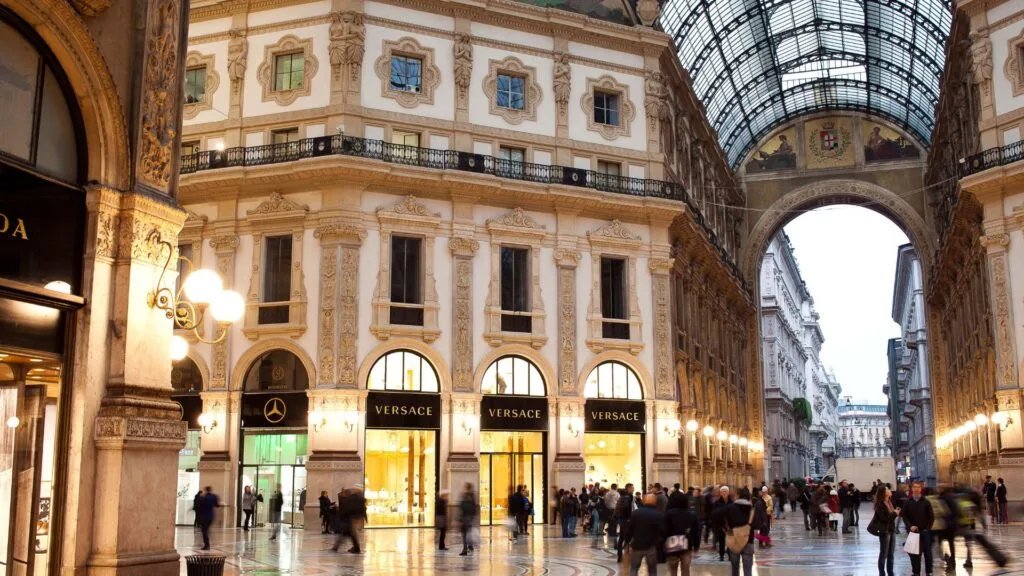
point(668, 526)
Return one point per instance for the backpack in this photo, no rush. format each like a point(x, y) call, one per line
point(967, 512)
point(736, 539)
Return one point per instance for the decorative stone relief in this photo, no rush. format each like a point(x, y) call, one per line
point(348, 44)
point(238, 54)
point(567, 260)
point(265, 73)
point(1004, 322)
point(981, 59)
point(161, 94)
point(627, 111)
point(339, 242)
point(463, 250)
point(655, 102)
point(224, 247)
point(562, 85)
point(407, 216)
point(663, 347)
point(90, 7)
point(1013, 66)
point(463, 57)
point(193, 60)
point(519, 229)
point(647, 10)
point(614, 240)
point(430, 74)
point(513, 66)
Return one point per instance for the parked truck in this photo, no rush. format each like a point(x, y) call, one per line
point(863, 471)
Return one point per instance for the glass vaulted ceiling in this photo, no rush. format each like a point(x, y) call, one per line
point(756, 64)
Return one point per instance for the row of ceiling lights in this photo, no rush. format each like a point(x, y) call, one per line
point(709, 432)
point(1001, 419)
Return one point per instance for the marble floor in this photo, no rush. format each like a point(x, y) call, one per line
point(413, 551)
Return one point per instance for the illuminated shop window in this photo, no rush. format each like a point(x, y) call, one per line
point(513, 375)
point(403, 370)
point(613, 380)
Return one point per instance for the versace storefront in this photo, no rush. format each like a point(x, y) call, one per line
point(403, 423)
point(615, 421)
point(513, 438)
point(42, 231)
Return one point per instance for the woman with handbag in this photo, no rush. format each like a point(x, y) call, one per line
point(739, 523)
point(682, 536)
point(883, 525)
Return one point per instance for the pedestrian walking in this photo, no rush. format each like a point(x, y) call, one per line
point(793, 493)
point(682, 535)
point(705, 504)
point(570, 509)
point(805, 506)
point(738, 523)
point(352, 518)
point(515, 509)
point(325, 512)
point(918, 517)
point(555, 503)
point(525, 516)
point(644, 534)
point(274, 513)
point(468, 510)
point(763, 518)
point(883, 525)
point(820, 509)
point(248, 501)
point(1002, 502)
point(441, 518)
point(611, 502)
point(989, 490)
point(719, 530)
point(623, 511)
point(661, 499)
point(854, 496)
point(845, 506)
point(208, 502)
point(195, 508)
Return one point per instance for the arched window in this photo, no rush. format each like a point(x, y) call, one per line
point(613, 380)
point(513, 375)
point(276, 370)
point(403, 370)
point(186, 377)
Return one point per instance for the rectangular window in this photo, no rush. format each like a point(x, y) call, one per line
point(406, 73)
point(511, 92)
point(190, 148)
point(406, 280)
point(195, 85)
point(289, 71)
point(609, 175)
point(613, 298)
point(606, 108)
point(277, 279)
point(510, 162)
point(408, 143)
point(286, 143)
point(515, 290)
point(609, 168)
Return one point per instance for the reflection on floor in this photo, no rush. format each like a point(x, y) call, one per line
point(414, 551)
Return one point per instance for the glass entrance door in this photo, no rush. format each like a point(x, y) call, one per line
point(271, 462)
point(507, 460)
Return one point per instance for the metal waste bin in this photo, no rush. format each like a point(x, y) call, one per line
point(205, 565)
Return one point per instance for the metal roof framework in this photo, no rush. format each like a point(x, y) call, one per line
point(757, 64)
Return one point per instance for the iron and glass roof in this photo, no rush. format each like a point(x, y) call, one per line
point(756, 64)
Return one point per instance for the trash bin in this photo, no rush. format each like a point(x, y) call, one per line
point(205, 565)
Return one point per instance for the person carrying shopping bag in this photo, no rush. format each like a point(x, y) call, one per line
point(883, 525)
point(918, 516)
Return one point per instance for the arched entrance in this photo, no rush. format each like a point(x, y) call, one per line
point(274, 438)
point(513, 437)
point(615, 422)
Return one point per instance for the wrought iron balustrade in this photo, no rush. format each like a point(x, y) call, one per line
point(345, 145)
point(992, 158)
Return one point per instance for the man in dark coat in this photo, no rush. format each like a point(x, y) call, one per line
point(845, 507)
point(677, 496)
point(918, 516)
point(515, 508)
point(680, 520)
point(716, 508)
point(737, 514)
point(623, 511)
point(207, 504)
point(644, 533)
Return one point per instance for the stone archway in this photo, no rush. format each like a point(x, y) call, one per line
point(256, 350)
point(831, 192)
point(106, 133)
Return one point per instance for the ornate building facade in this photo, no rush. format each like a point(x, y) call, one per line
point(975, 289)
point(791, 342)
point(863, 431)
point(463, 236)
point(913, 421)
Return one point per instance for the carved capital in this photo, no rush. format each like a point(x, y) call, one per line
point(224, 243)
point(995, 241)
point(463, 246)
point(660, 265)
point(567, 257)
point(333, 232)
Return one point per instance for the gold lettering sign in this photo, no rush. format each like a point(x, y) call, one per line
point(18, 231)
point(627, 416)
point(513, 413)
point(405, 410)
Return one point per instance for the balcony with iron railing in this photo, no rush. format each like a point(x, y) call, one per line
point(993, 158)
point(345, 145)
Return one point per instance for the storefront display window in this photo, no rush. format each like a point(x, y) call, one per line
point(188, 479)
point(613, 380)
point(273, 462)
point(512, 375)
point(507, 460)
point(400, 477)
point(613, 458)
point(403, 370)
point(615, 422)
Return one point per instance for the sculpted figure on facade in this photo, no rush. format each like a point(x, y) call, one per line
point(348, 43)
point(238, 52)
point(159, 98)
point(656, 102)
point(463, 64)
point(981, 58)
point(562, 83)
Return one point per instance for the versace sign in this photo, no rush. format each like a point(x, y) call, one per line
point(403, 410)
point(615, 416)
point(513, 413)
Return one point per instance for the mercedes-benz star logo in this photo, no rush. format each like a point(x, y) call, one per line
point(274, 410)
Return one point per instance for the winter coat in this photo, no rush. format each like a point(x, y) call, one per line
point(884, 518)
point(918, 513)
point(275, 506)
point(645, 528)
point(735, 515)
point(1001, 494)
point(624, 507)
point(680, 521)
point(248, 501)
point(570, 505)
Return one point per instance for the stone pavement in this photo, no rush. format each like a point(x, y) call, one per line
point(394, 551)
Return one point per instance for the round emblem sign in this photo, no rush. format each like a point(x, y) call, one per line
point(274, 410)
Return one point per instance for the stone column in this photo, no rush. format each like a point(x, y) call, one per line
point(567, 258)
point(569, 469)
point(667, 466)
point(463, 463)
point(335, 443)
point(138, 430)
point(220, 451)
point(224, 244)
point(339, 302)
point(463, 249)
point(664, 384)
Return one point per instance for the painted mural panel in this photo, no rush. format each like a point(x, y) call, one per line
point(610, 10)
point(778, 153)
point(828, 143)
point(883, 144)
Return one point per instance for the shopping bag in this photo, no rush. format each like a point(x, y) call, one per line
point(913, 543)
point(474, 536)
point(512, 525)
